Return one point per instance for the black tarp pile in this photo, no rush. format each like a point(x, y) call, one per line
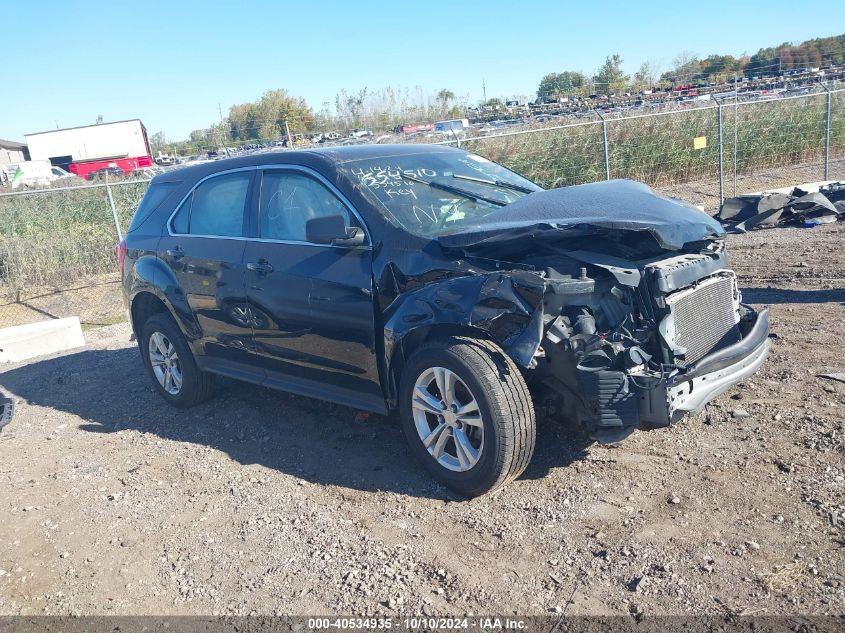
point(798, 208)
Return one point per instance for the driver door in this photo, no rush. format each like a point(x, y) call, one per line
point(314, 317)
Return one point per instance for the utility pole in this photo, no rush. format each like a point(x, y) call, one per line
point(287, 131)
point(225, 146)
point(484, 90)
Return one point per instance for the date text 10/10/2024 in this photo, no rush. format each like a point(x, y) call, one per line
point(418, 623)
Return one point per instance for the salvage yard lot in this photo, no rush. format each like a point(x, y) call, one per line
point(261, 502)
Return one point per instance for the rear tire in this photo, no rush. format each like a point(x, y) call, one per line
point(171, 365)
point(481, 435)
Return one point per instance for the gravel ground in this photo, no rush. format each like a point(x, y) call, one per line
point(263, 503)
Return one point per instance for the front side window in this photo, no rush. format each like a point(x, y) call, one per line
point(288, 200)
point(216, 207)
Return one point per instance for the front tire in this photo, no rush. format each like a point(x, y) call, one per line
point(467, 414)
point(171, 364)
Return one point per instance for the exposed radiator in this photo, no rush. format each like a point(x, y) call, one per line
point(705, 318)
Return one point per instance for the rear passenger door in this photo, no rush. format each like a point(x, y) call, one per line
point(204, 247)
point(316, 332)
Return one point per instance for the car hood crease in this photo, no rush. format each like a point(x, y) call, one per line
point(615, 205)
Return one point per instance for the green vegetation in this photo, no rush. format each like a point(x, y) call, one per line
point(688, 68)
point(264, 120)
point(53, 240)
point(659, 150)
point(568, 82)
point(815, 52)
point(610, 79)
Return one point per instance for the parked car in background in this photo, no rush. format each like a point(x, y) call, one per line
point(29, 174)
point(111, 172)
point(58, 172)
point(432, 282)
point(453, 126)
point(36, 173)
point(62, 178)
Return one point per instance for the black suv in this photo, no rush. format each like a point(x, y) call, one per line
point(434, 282)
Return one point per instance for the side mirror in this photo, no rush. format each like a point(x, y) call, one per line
point(332, 229)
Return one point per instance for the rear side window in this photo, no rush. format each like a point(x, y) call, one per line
point(155, 195)
point(216, 207)
point(182, 219)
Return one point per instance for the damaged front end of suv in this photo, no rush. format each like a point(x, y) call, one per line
point(616, 302)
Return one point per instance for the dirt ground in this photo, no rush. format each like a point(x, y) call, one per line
point(97, 301)
point(263, 503)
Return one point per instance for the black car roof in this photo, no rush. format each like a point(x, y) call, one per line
point(315, 158)
point(347, 153)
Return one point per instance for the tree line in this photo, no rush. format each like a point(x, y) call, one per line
point(689, 68)
point(276, 112)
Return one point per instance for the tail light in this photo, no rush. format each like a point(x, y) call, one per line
point(120, 254)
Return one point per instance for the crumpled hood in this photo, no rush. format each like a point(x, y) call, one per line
point(614, 205)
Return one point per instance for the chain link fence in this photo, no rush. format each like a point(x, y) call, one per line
point(57, 252)
point(57, 245)
point(702, 153)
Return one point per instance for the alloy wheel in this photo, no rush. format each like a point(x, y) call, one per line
point(165, 363)
point(448, 419)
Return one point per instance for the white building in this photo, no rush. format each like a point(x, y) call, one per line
point(121, 139)
point(87, 147)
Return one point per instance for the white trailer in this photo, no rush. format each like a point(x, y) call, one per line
point(81, 149)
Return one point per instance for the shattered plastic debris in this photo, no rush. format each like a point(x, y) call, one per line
point(798, 208)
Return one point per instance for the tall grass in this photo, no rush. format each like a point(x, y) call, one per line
point(659, 150)
point(52, 239)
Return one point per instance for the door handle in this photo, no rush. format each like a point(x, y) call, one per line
point(176, 253)
point(262, 266)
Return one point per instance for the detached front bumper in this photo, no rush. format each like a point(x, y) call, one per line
point(617, 402)
point(688, 392)
point(716, 373)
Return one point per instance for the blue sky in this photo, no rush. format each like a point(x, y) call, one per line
point(171, 63)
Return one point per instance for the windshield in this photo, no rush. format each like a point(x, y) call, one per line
point(431, 194)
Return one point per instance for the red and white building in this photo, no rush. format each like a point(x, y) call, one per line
point(84, 149)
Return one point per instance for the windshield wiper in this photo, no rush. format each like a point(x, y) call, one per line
point(496, 183)
point(455, 190)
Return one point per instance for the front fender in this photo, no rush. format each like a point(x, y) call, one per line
point(507, 306)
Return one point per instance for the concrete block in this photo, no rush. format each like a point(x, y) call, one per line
point(22, 342)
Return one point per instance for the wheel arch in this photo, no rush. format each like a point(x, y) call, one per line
point(416, 338)
point(144, 305)
point(152, 285)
